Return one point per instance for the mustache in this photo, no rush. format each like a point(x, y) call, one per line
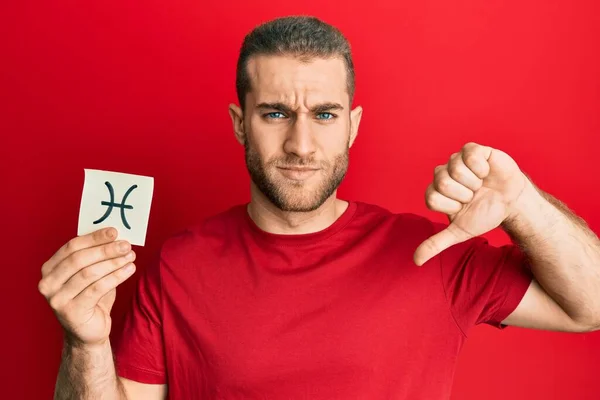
point(297, 162)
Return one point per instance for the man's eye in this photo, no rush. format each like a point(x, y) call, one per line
point(274, 115)
point(325, 115)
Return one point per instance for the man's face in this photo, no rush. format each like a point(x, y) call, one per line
point(297, 128)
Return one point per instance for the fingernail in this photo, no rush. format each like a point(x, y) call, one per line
point(129, 256)
point(129, 268)
point(110, 232)
point(123, 247)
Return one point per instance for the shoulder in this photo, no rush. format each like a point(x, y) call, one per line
point(212, 229)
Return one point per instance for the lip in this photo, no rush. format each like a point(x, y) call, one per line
point(299, 168)
point(298, 174)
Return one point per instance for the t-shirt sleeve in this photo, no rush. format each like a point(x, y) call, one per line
point(139, 347)
point(483, 283)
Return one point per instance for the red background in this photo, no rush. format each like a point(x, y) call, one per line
point(143, 87)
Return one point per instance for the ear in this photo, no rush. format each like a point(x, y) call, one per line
point(355, 116)
point(237, 117)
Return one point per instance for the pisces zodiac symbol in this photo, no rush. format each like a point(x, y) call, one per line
point(110, 204)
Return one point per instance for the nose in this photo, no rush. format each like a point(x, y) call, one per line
point(300, 140)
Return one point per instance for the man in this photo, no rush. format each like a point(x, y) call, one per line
point(301, 295)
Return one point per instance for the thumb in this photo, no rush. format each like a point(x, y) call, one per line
point(439, 242)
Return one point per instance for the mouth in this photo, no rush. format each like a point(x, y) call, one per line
point(297, 173)
point(299, 168)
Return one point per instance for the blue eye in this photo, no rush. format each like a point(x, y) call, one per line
point(274, 115)
point(326, 114)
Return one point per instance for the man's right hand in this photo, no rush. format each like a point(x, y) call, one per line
point(80, 279)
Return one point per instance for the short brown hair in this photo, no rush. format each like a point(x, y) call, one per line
point(305, 37)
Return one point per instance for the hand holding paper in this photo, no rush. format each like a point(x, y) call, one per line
point(79, 282)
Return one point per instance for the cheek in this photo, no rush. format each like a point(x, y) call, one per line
point(264, 139)
point(334, 139)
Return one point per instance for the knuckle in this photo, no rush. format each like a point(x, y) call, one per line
point(432, 201)
point(45, 268)
point(55, 303)
point(114, 248)
point(453, 165)
point(107, 250)
point(90, 273)
point(456, 171)
point(471, 158)
point(444, 184)
point(75, 261)
point(430, 189)
point(97, 287)
point(98, 235)
point(71, 246)
point(122, 245)
point(103, 285)
point(429, 192)
point(43, 287)
point(431, 245)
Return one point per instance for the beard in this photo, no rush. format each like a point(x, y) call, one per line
point(296, 196)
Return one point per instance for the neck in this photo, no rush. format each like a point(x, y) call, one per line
point(271, 219)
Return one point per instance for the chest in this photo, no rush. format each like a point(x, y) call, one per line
point(357, 320)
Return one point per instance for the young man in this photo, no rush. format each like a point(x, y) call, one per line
point(301, 295)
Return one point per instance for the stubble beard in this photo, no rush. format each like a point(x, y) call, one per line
point(295, 196)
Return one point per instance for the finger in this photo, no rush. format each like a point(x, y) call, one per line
point(436, 201)
point(96, 238)
point(448, 187)
point(91, 295)
point(439, 242)
point(475, 157)
point(79, 260)
point(86, 277)
point(459, 172)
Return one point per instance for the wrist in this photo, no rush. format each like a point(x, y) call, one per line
point(530, 212)
point(524, 204)
point(77, 345)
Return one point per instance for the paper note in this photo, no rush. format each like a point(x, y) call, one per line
point(118, 200)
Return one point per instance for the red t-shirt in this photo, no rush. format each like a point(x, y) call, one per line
point(233, 312)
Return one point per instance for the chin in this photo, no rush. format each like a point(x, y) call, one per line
point(299, 206)
point(298, 197)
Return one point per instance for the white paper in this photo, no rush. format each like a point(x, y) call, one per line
point(129, 217)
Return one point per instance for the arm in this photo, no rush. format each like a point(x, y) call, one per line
point(89, 372)
point(79, 282)
point(481, 188)
point(564, 256)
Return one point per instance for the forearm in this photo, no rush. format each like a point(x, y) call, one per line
point(564, 253)
point(88, 373)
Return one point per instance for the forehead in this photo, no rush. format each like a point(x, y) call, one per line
point(293, 81)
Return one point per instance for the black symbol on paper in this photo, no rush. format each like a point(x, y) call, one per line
point(112, 204)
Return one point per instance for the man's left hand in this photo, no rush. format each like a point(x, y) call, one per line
point(477, 189)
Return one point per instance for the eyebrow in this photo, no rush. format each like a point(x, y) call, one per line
point(319, 108)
